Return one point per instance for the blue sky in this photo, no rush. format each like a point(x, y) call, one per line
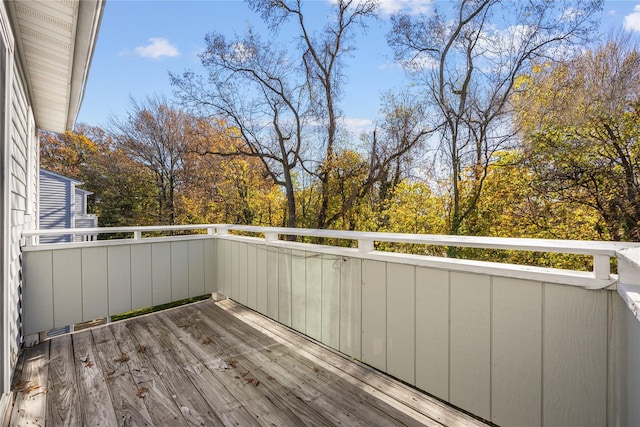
point(141, 41)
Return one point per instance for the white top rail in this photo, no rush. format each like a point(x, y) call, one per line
point(365, 238)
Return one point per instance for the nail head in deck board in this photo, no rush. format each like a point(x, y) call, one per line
point(191, 402)
point(161, 406)
point(30, 404)
point(63, 400)
point(95, 401)
point(120, 384)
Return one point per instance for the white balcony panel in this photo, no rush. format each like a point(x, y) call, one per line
point(95, 285)
point(374, 314)
point(314, 296)
point(401, 322)
point(575, 357)
point(331, 300)
point(141, 276)
point(272, 283)
point(470, 343)
point(298, 290)
point(67, 287)
point(432, 331)
point(119, 274)
point(179, 263)
point(252, 276)
point(516, 337)
point(242, 273)
point(284, 286)
point(38, 291)
point(196, 263)
point(161, 272)
point(261, 287)
point(633, 379)
point(210, 266)
point(235, 264)
point(351, 307)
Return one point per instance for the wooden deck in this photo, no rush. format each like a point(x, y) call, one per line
point(209, 364)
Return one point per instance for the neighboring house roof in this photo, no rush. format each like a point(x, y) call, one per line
point(61, 177)
point(56, 40)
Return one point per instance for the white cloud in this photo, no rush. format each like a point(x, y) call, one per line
point(411, 7)
point(632, 21)
point(356, 126)
point(158, 47)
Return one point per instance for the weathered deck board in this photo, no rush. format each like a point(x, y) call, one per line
point(63, 400)
point(210, 364)
point(305, 378)
point(30, 404)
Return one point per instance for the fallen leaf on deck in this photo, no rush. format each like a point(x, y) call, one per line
point(142, 348)
point(103, 341)
point(206, 340)
point(30, 388)
point(19, 385)
point(123, 358)
point(89, 364)
point(141, 392)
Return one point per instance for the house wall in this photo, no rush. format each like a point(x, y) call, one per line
point(56, 201)
point(19, 177)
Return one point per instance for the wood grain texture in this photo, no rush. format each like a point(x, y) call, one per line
point(63, 399)
point(30, 406)
point(216, 364)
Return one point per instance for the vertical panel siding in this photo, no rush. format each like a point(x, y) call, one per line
point(141, 276)
point(161, 272)
point(314, 296)
point(374, 314)
point(120, 292)
point(235, 264)
point(179, 262)
point(516, 374)
point(197, 268)
point(210, 266)
point(284, 286)
point(261, 279)
point(67, 287)
point(243, 275)
point(575, 356)
point(470, 357)
point(95, 298)
point(331, 300)
point(38, 292)
point(401, 322)
point(298, 290)
point(252, 276)
point(432, 331)
point(351, 307)
point(272, 283)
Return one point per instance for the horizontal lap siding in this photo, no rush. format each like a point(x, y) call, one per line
point(20, 158)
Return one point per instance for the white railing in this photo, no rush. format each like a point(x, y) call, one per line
point(517, 345)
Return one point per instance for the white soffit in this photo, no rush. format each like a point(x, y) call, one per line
point(55, 40)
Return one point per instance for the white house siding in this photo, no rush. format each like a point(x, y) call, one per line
point(55, 205)
point(19, 178)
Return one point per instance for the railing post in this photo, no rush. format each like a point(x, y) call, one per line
point(137, 235)
point(365, 246)
point(601, 267)
point(270, 237)
point(211, 231)
point(222, 231)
